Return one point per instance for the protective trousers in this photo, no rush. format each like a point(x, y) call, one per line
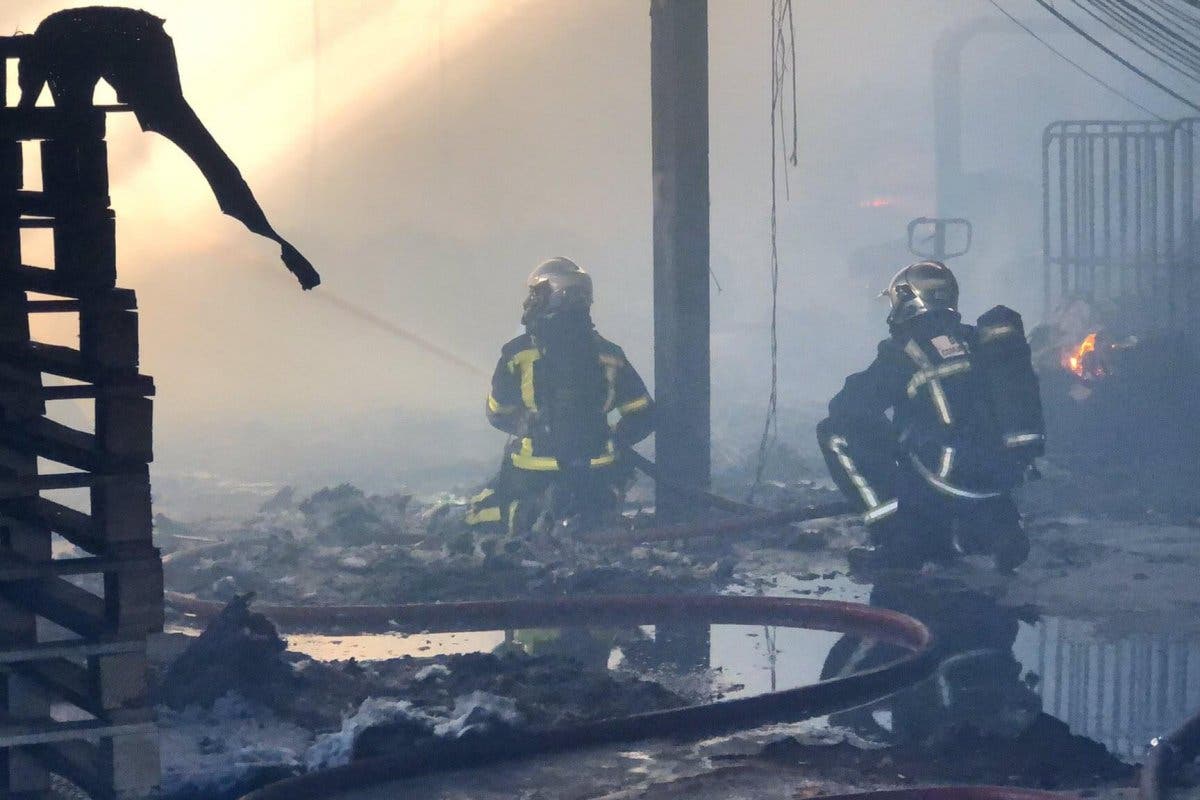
point(907, 516)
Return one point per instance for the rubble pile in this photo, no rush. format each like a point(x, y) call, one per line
point(239, 710)
point(340, 546)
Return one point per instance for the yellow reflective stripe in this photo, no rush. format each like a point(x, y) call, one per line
point(612, 365)
point(483, 515)
point(634, 405)
point(484, 495)
point(512, 515)
point(495, 408)
point(525, 459)
point(522, 362)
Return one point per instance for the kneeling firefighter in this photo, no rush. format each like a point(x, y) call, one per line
point(931, 439)
point(554, 390)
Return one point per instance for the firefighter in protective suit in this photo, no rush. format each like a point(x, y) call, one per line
point(931, 439)
point(554, 390)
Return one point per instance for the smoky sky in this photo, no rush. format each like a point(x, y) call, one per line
point(427, 179)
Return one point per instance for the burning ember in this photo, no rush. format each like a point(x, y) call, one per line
point(1095, 357)
point(1082, 359)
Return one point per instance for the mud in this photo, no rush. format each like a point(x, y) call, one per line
point(1045, 755)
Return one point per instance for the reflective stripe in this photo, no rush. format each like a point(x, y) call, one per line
point(995, 332)
point(881, 511)
point(522, 362)
point(525, 459)
point(1018, 439)
point(838, 445)
point(484, 495)
point(495, 408)
point(923, 376)
point(936, 393)
point(483, 515)
point(946, 488)
point(612, 366)
point(512, 515)
point(947, 462)
point(634, 405)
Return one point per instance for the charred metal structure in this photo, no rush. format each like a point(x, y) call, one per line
point(73, 628)
point(1119, 218)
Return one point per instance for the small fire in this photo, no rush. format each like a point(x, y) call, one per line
point(1082, 359)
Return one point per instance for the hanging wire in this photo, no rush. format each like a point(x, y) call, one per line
point(1067, 59)
point(1158, 43)
point(1049, 7)
point(783, 68)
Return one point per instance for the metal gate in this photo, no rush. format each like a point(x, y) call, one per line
point(1118, 219)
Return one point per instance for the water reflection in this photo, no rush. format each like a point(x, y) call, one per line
point(979, 683)
point(1120, 691)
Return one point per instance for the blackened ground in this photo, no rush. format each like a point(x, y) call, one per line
point(1045, 756)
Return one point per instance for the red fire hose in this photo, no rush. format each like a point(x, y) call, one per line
point(688, 723)
point(691, 722)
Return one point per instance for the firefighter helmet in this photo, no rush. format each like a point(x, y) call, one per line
point(557, 285)
point(918, 288)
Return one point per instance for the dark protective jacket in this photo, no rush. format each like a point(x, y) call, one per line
point(559, 412)
point(942, 424)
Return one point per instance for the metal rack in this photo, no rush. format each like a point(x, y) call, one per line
point(73, 621)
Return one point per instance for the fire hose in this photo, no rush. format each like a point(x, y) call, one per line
point(1166, 755)
point(686, 723)
point(689, 722)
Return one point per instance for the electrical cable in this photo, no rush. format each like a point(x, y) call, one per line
point(1049, 7)
point(1148, 41)
point(1188, 24)
point(781, 10)
point(1067, 59)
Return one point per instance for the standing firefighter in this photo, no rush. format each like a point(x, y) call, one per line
point(554, 390)
point(931, 439)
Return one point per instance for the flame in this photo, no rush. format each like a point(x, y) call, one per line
point(1076, 359)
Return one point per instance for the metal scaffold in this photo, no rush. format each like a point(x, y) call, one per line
point(73, 628)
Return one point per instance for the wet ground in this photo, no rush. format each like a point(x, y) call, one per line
point(1096, 631)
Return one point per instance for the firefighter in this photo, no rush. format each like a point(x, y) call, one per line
point(554, 390)
point(931, 439)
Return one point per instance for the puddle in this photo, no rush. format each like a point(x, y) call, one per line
point(1121, 692)
point(381, 646)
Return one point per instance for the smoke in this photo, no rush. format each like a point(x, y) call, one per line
point(425, 154)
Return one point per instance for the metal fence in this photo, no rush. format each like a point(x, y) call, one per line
point(1122, 693)
point(1118, 218)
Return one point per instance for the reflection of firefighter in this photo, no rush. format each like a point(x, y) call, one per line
point(554, 390)
point(978, 682)
point(932, 437)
